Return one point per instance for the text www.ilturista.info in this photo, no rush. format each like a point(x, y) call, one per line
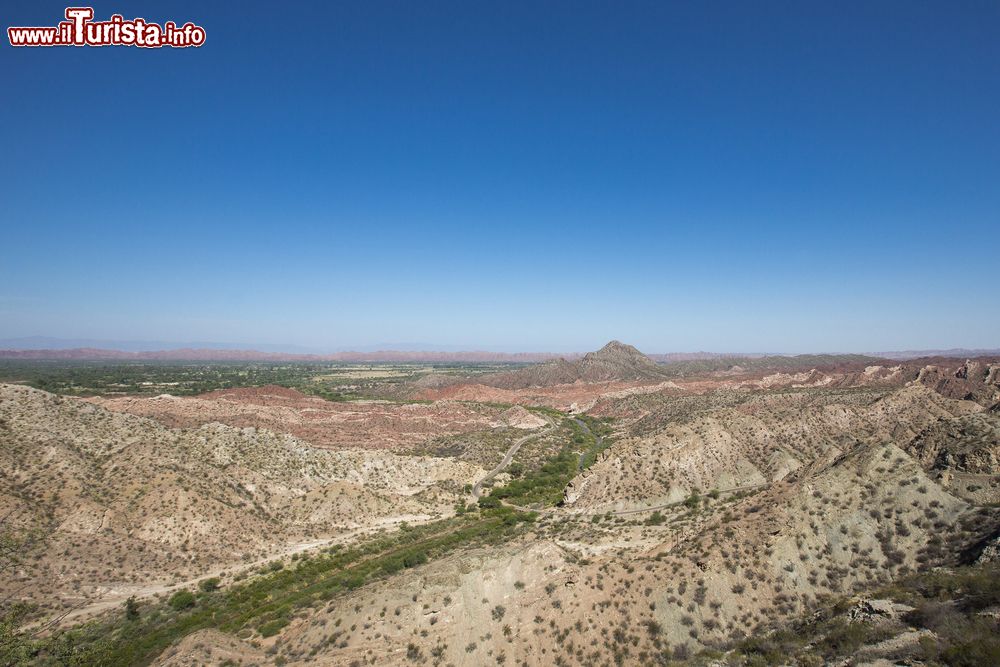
point(79, 29)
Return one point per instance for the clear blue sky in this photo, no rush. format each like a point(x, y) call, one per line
point(511, 175)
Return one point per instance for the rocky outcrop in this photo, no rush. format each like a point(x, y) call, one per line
point(519, 417)
point(614, 361)
point(990, 552)
point(877, 611)
point(965, 444)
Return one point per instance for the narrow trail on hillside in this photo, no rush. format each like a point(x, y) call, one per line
point(562, 511)
point(116, 596)
point(477, 489)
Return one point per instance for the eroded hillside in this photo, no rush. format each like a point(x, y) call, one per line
point(129, 501)
point(759, 440)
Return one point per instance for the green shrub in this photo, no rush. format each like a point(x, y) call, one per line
point(182, 599)
point(414, 559)
point(976, 651)
point(692, 501)
point(209, 585)
point(489, 502)
point(413, 652)
point(655, 519)
point(272, 628)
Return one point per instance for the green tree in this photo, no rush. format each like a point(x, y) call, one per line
point(131, 609)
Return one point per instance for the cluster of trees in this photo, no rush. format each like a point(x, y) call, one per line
point(545, 485)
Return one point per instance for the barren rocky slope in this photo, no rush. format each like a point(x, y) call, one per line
point(129, 500)
point(758, 441)
point(963, 454)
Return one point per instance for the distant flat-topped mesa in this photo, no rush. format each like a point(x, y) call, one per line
point(614, 361)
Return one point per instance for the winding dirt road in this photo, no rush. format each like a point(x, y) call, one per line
point(477, 489)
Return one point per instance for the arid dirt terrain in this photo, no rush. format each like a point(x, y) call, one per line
point(131, 500)
point(628, 513)
point(357, 424)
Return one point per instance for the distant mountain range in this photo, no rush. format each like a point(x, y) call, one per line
point(48, 343)
point(957, 352)
point(41, 347)
point(202, 353)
